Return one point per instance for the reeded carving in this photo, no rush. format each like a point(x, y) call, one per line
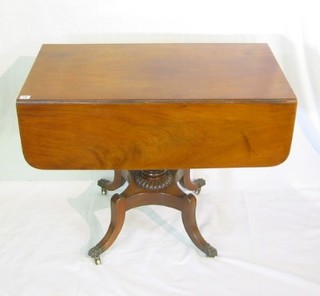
point(153, 180)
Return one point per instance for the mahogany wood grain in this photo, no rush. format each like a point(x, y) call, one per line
point(163, 106)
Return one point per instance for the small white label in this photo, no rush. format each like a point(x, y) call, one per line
point(25, 97)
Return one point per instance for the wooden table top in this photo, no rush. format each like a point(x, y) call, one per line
point(145, 72)
point(153, 106)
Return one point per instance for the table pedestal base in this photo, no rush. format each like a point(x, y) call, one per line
point(152, 187)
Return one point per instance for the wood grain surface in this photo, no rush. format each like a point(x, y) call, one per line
point(156, 106)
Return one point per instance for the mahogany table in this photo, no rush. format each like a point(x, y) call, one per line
point(152, 112)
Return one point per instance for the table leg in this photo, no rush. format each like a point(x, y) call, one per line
point(117, 182)
point(188, 213)
point(193, 185)
point(118, 210)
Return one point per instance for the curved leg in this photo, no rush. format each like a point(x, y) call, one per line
point(188, 213)
point(117, 182)
point(118, 209)
point(194, 185)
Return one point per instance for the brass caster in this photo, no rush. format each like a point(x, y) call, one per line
point(200, 183)
point(94, 253)
point(197, 191)
point(102, 183)
point(97, 260)
point(210, 251)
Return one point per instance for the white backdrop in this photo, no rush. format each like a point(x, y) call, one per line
point(264, 222)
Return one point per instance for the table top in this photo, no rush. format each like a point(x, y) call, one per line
point(155, 106)
point(144, 72)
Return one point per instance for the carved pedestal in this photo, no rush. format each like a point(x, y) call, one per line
point(152, 187)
